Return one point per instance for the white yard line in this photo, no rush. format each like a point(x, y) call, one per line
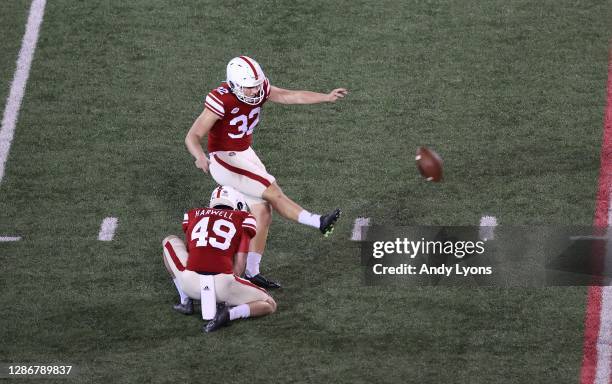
point(358, 232)
point(108, 228)
point(487, 228)
point(24, 62)
point(4, 239)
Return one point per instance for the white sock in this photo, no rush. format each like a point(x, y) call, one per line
point(182, 294)
point(240, 312)
point(308, 218)
point(252, 265)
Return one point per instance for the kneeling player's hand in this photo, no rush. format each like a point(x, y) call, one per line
point(202, 163)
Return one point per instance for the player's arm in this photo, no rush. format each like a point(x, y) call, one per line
point(249, 230)
point(241, 256)
point(198, 130)
point(288, 96)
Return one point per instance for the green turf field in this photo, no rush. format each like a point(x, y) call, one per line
point(510, 93)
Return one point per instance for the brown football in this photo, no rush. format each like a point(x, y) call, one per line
point(429, 164)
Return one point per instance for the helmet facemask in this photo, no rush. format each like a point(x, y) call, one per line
point(238, 90)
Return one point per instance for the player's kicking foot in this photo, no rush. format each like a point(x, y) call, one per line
point(261, 281)
point(185, 308)
point(222, 319)
point(327, 222)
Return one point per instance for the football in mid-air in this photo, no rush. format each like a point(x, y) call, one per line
point(429, 164)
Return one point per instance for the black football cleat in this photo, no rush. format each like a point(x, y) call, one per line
point(260, 281)
point(327, 222)
point(184, 308)
point(222, 319)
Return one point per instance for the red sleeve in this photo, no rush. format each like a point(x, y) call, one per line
point(266, 89)
point(245, 240)
point(249, 226)
point(214, 103)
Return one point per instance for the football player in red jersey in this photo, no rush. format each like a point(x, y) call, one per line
point(203, 266)
point(231, 113)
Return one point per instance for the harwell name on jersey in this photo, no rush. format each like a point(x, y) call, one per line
point(216, 212)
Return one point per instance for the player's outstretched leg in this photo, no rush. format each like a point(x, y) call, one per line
point(327, 222)
point(291, 210)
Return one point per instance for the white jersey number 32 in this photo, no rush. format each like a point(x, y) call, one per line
point(222, 229)
point(243, 124)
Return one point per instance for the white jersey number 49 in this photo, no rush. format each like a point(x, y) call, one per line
point(221, 228)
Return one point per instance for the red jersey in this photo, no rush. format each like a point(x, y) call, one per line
point(233, 132)
point(214, 236)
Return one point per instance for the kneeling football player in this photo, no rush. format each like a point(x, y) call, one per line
point(204, 267)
